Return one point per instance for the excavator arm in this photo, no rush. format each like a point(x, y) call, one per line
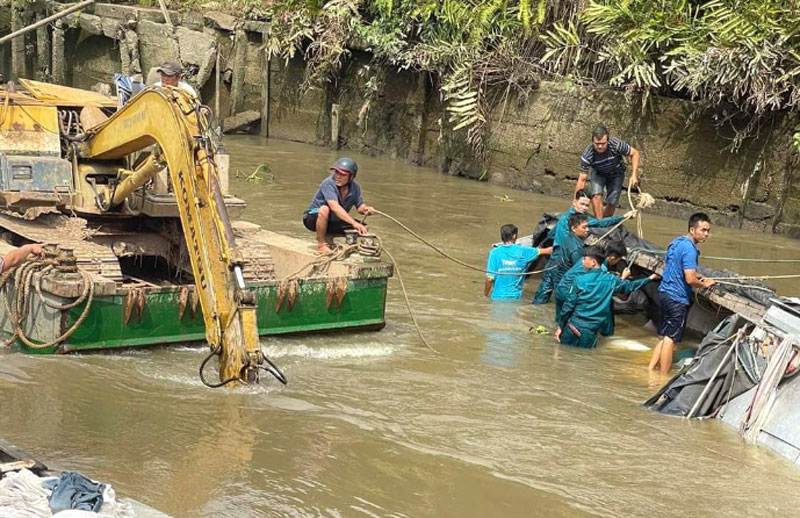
point(178, 124)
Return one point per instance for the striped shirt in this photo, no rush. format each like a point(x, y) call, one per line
point(607, 163)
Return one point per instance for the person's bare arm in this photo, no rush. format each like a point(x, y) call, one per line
point(487, 287)
point(581, 183)
point(546, 251)
point(696, 282)
point(343, 215)
point(634, 167)
point(16, 257)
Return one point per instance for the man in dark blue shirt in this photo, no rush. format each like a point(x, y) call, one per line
point(604, 161)
point(675, 290)
point(329, 212)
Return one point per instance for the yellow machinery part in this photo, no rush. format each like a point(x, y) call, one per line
point(29, 130)
point(168, 117)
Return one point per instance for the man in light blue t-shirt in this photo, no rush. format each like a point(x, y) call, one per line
point(507, 264)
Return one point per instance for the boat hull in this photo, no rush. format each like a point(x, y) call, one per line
point(111, 323)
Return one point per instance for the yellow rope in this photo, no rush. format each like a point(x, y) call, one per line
point(408, 303)
point(450, 257)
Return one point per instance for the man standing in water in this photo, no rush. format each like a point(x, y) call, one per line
point(580, 205)
point(329, 212)
point(587, 308)
point(507, 264)
point(564, 257)
point(680, 276)
point(603, 161)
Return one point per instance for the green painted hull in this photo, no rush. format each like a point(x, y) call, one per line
point(362, 306)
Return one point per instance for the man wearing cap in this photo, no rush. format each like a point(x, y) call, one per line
point(171, 76)
point(329, 212)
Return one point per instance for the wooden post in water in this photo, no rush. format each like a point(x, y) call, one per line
point(239, 58)
point(334, 126)
point(265, 88)
point(217, 85)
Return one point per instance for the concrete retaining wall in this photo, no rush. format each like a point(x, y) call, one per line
point(534, 145)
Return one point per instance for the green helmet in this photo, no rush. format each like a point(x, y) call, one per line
point(346, 165)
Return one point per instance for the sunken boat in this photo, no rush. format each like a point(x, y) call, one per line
point(744, 370)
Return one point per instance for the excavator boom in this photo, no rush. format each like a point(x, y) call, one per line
point(176, 122)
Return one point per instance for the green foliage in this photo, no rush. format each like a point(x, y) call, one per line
point(741, 54)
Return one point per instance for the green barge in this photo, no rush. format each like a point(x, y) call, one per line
point(143, 245)
point(139, 311)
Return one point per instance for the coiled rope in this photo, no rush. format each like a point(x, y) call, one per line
point(18, 308)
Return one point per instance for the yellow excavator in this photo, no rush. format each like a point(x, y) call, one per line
point(108, 155)
point(178, 124)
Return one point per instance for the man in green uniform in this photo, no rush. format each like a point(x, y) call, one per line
point(580, 205)
point(564, 257)
point(587, 308)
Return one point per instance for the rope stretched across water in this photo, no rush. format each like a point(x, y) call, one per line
point(725, 258)
point(450, 257)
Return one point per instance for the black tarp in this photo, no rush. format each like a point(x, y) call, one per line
point(737, 375)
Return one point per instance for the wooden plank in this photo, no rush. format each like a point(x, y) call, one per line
point(748, 309)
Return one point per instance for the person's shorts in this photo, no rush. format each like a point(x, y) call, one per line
point(673, 317)
point(610, 183)
point(335, 225)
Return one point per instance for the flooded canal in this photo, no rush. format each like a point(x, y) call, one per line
point(501, 423)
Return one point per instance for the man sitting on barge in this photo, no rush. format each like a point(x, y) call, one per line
point(328, 215)
point(680, 276)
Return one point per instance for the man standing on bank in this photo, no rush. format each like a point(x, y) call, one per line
point(329, 212)
point(679, 277)
point(603, 163)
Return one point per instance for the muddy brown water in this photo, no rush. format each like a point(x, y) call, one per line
point(501, 423)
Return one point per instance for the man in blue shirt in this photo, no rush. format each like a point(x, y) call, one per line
point(604, 160)
point(564, 257)
point(329, 212)
point(507, 264)
point(580, 205)
point(587, 308)
point(680, 276)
